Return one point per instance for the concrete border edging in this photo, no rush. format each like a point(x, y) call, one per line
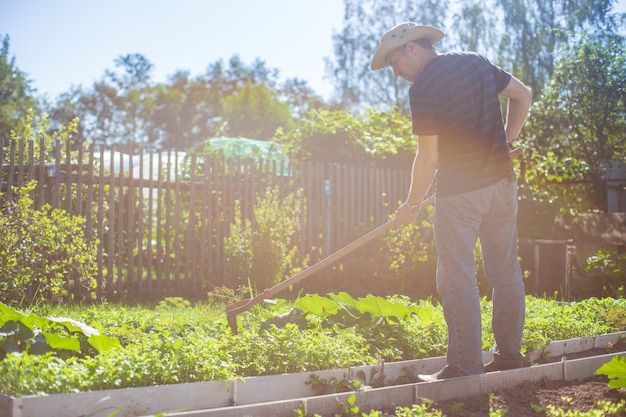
point(279, 392)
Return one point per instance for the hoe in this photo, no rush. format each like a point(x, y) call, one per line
point(244, 305)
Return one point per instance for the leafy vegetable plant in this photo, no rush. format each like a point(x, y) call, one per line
point(30, 333)
point(177, 341)
point(615, 370)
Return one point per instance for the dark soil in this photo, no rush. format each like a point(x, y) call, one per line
point(531, 399)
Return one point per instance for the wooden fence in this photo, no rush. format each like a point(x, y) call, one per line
point(160, 219)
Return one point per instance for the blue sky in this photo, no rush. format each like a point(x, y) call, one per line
point(59, 43)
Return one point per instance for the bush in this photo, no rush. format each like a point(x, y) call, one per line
point(261, 250)
point(608, 269)
point(42, 252)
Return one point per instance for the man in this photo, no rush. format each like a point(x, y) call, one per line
point(463, 144)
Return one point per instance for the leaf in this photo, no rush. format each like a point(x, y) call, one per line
point(178, 343)
point(75, 326)
point(9, 314)
point(317, 305)
point(426, 314)
point(39, 346)
point(59, 342)
point(382, 307)
point(103, 343)
point(12, 346)
point(615, 370)
point(344, 298)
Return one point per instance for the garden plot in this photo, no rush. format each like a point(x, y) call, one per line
point(280, 395)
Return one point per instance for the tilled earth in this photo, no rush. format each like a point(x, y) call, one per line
point(531, 399)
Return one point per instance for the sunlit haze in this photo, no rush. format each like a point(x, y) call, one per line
point(60, 43)
point(70, 42)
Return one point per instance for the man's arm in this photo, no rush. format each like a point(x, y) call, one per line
point(520, 98)
point(423, 172)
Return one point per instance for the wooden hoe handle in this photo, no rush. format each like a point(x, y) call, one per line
point(244, 305)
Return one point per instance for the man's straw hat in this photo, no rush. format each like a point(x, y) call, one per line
point(398, 36)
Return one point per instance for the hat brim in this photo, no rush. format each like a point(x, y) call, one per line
point(379, 60)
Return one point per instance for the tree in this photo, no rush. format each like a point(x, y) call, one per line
point(186, 111)
point(254, 111)
point(15, 91)
point(521, 36)
point(67, 109)
point(582, 113)
point(364, 23)
point(125, 108)
point(299, 97)
point(118, 109)
point(535, 29)
point(134, 98)
point(479, 25)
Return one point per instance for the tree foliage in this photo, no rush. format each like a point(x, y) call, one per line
point(39, 133)
point(582, 113)
point(520, 35)
point(16, 94)
point(370, 138)
point(536, 29)
point(254, 111)
point(578, 125)
point(128, 109)
point(354, 45)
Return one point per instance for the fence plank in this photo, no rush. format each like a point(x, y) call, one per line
point(161, 233)
point(101, 222)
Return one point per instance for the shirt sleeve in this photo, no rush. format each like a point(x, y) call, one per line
point(423, 112)
point(502, 78)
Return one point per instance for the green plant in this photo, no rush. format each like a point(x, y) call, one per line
point(349, 408)
point(29, 333)
point(537, 408)
point(40, 133)
point(275, 351)
point(333, 385)
point(175, 303)
point(609, 268)
point(42, 252)
point(425, 408)
point(383, 321)
point(261, 249)
point(603, 408)
point(223, 295)
point(181, 342)
point(615, 370)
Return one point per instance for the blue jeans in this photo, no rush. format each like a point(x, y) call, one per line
point(488, 215)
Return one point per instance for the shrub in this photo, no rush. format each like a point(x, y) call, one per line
point(261, 250)
point(41, 252)
point(608, 268)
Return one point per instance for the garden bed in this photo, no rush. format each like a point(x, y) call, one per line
point(281, 395)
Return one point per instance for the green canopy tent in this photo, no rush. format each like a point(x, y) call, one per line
point(240, 148)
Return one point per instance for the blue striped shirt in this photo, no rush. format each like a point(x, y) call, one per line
point(456, 98)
